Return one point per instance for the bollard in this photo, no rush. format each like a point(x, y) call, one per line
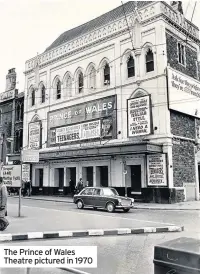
point(179, 256)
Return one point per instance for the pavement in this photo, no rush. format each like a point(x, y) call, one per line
point(190, 205)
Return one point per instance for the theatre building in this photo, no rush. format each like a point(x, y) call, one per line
point(115, 102)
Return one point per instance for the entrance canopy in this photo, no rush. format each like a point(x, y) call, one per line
point(102, 150)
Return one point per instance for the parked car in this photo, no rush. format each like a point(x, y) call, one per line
point(102, 197)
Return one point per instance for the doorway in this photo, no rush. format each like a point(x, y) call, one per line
point(89, 175)
point(60, 178)
point(104, 176)
point(41, 178)
point(136, 178)
point(73, 174)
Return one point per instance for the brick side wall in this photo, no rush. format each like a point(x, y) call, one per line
point(172, 57)
point(183, 162)
point(183, 151)
point(182, 125)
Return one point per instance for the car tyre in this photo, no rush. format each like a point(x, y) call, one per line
point(110, 207)
point(126, 209)
point(80, 204)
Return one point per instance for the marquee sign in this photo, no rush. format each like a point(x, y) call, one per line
point(84, 122)
point(139, 116)
point(184, 93)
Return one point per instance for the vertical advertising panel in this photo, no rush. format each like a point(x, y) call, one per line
point(156, 170)
point(139, 116)
point(34, 135)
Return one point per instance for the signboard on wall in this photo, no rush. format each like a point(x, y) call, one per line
point(12, 175)
point(88, 121)
point(30, 156)
point(34, 135)
point(184, 93)
point(156, 170)
point(26, 172)
point(139, 116)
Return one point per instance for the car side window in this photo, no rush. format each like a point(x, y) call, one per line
point(97, 192)
point(88, 191)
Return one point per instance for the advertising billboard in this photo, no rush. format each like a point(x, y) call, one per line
point(12, 175)
point(156, 170)
point(139, 116)
point(84, 122)
point(34, 135)
point(184, 93)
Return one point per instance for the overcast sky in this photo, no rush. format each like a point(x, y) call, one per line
point(30, 26)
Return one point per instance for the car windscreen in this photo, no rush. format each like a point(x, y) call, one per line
point(110, 192)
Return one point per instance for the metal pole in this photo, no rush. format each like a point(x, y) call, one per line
point(125, 184)
point(19, 209)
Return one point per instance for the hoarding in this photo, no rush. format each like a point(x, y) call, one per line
point(156, 170)
point(139, 118)
point(34, 135)
point(184, 93)
point(12, 175)
point(88, 121)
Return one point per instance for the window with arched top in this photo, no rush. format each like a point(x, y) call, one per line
point(58, 89)
point(131, 66)
point(43, 93)
point(92, 78)
point(68, 86)
point(18, 112)
point(106, 74)
point(149, 61)
point(80, 82)
point(22, 112)
point(32, 97)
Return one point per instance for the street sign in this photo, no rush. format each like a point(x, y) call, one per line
point(30, 156)
point(12, 175)
point(26, 172)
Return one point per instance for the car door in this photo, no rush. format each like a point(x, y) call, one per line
point(89, 201)
point(97, 197)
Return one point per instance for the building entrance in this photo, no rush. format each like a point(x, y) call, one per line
point(136, 178)
point(103, 176)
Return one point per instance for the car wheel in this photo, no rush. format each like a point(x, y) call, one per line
point(126, 209)
point(110, 207)
point(80, 204)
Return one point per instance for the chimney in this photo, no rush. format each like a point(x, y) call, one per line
point(177, 6)
point(11, 79)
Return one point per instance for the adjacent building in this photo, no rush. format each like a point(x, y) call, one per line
point(11, 120)
point(115, 101)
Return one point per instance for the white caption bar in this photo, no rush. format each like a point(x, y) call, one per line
point(48, 256)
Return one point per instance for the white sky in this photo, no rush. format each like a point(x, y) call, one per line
point(30, 26)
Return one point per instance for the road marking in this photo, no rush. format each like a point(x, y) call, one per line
point(98, 215)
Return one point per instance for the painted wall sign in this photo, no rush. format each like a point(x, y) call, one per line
point(184, 93)
point(91, 120)
point(7, 95)
point(156, 170)
point(12, 175)
point(34, 135)
point(139, 119)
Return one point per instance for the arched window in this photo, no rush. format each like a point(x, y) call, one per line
point(18, 112)
point(20, 139)
point(131, 66)
point(106, 74)
point(43, 93)
point(80, 82)
point(68, 86)
point(58, 89)
point(149, 61)
point(22, 112)
point(92, 78)
point(32, 97)
point(17, 141)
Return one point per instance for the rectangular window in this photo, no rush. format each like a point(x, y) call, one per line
point(181, 54)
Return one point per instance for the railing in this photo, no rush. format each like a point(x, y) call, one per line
point(69, 270)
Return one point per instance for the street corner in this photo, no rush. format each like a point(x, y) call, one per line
point(87, 233)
